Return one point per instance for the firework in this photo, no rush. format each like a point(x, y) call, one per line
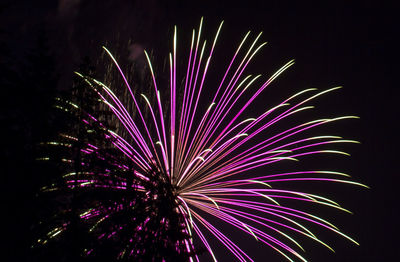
point(150, 186)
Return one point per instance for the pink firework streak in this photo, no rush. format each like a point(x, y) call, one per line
point(208, 151)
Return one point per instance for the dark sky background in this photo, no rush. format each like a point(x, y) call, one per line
point(349, 43)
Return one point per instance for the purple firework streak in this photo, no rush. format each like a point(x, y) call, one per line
point(200, 159)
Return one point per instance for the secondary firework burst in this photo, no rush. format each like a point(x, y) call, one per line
point(162, 178)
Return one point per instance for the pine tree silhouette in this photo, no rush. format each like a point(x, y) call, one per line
point(139, 223)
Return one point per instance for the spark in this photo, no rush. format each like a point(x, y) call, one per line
point(203, 159)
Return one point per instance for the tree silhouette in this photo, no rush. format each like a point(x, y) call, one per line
point(117, 215)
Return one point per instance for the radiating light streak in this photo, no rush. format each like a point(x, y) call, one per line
point(206, 157)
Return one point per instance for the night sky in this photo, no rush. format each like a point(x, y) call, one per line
point(346, 43)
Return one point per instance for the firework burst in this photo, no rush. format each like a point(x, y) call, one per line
point(149, 186)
